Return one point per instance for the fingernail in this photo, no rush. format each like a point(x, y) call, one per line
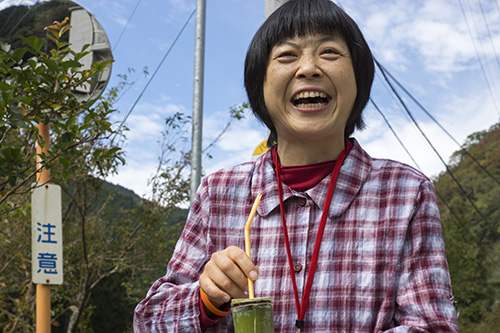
point(226, 299)
point(253, 275)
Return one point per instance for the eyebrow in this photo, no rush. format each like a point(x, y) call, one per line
point(322, 40)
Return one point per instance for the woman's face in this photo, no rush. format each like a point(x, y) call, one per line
point(310, 88)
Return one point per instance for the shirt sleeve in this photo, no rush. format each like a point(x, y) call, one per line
point(424, 301)
point(173, 302)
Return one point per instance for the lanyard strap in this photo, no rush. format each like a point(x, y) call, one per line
point(301, 308)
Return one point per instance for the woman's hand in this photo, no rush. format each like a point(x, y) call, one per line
point(225, 275)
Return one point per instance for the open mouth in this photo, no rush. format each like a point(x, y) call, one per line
point(310, 99)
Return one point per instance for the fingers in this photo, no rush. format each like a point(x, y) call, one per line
point(243, 269)
point(213, 292)
point(226, 275)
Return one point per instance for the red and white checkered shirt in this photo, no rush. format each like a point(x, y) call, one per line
point(382, 264)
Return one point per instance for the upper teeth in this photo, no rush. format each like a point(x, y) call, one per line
point(309, 94)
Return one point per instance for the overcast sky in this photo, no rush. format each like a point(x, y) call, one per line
point(447, 61)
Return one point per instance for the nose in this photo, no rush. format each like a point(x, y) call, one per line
point(308, 68)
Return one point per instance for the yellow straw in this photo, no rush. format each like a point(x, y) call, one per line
point(247, 240)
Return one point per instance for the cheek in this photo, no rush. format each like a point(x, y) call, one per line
point(271, 92)
point(349, 87)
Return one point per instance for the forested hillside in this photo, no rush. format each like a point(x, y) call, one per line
point(469, 201)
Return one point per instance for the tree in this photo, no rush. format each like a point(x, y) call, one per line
point(39, 90)
point(472, 232)
point(32, 91)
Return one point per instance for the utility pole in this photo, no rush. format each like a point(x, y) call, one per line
point(199, 55)
point(272, 5)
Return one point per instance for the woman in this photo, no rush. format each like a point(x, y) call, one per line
point(340, 241)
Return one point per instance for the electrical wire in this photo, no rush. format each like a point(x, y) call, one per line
point(489, 34)
point(10, 16)
point(457, 220)
point(479, 57)
point(126, 25)
point(22, 18)
point(487, 65)
point(394, 132)
point(436, 152)
point(154, 73)
point(440, 126)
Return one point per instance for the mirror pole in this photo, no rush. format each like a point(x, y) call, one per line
point(43, 317)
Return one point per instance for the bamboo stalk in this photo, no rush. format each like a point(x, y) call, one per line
point(253, 315)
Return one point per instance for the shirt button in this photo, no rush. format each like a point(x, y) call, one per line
point(302, 202)
point(297, 267)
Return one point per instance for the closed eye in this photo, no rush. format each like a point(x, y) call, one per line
point(286, 56)
point(330, 53)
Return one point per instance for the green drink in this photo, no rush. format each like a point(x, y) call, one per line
point(253, 315)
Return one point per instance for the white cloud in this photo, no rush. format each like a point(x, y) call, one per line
point(134, 176)
point(236, 145)
point(461, 116)
point(181, 5)
point(434, 30)
point(9, 3)
point(144, 127)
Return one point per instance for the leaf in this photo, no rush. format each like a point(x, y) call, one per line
point(5, 86)
point(65, 162)
point(51, 64)
point(18, 123)
point(24, 99)
point(52, 38)
point(71, 64)
point(18, 54)
point(5, 47)
point(33, 62)
point(7, 96)
point(34, 42)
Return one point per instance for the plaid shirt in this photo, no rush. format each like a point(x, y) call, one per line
point(382, 264)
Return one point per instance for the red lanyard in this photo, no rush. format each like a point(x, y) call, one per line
point(301, 308)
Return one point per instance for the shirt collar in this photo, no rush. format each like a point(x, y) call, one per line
point(354, 172)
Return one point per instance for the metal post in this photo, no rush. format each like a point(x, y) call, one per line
point(199, 55)
point(272, 5)
point(42, 290)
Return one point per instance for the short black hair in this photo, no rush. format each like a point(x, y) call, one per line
point(300, 18)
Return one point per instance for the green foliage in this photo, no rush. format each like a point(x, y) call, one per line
point(238, 111)
point(473, 239)
point(39, 90)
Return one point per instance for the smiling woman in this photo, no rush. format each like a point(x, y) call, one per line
point(309, 91)
point(355, 243)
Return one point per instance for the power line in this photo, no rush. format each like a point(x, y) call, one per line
point(479, 57)
point(489, 33)
point(434, 149)
point(394, 132)
point(126, 25)
point(440, 126)
point(11, 14)
point(154, 73)
point(456, 219)
point(480, 42)
point(22, 18)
